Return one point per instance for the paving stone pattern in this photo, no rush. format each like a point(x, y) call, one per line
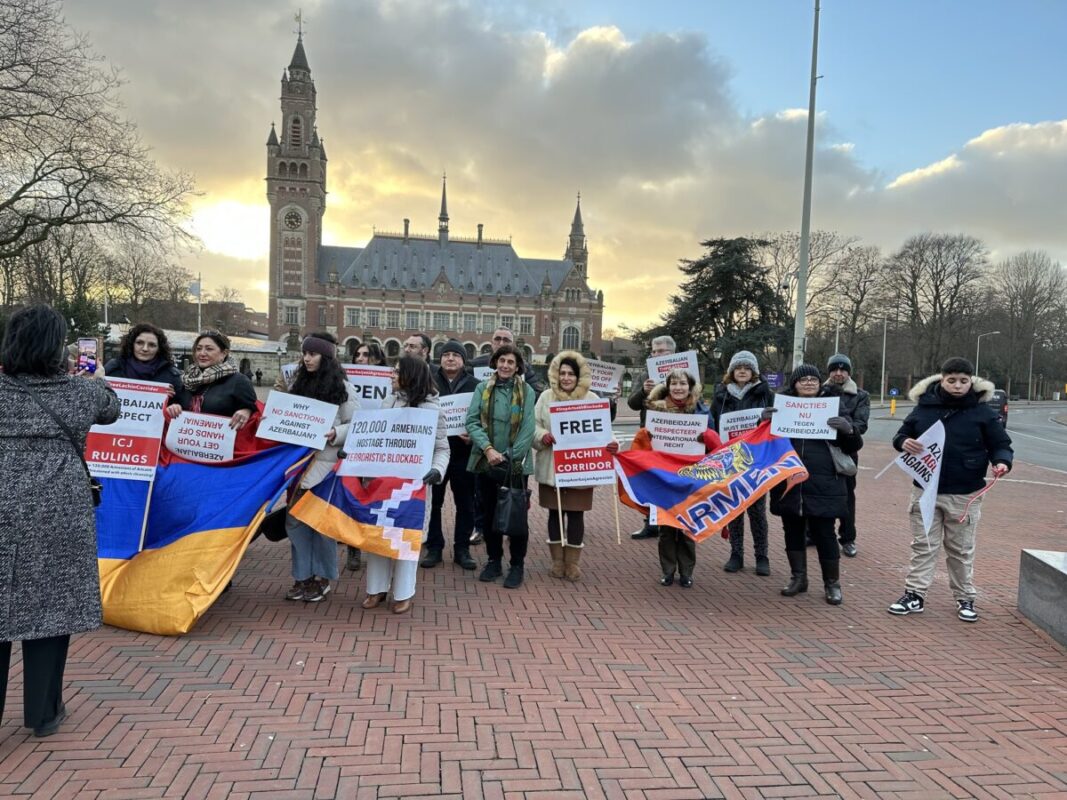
point(611, 688)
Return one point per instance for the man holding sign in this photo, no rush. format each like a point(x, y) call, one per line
point(973, 439)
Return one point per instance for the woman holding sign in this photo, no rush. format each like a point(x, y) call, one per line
point(812, 506)
point(742, 389)
point(144, 355)
point(215, 384)
point(569, 378)
point(413, 387)
point(319, 377)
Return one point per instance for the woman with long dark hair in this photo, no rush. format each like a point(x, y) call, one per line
point(319, 377)
point(144, 355)
point(413, 387)
point(49, 577)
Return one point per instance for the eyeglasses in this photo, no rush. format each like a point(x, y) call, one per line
point(807, 380)
point(501, 339)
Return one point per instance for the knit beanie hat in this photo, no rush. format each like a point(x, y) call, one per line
point(839, 360)
point(803, 371)
point(743, 358)
point(453, 346)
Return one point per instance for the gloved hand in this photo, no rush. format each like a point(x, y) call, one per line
point(840, 424)
point(432, 477)
point(612, 447)
point(548, 440)
point(767, 414)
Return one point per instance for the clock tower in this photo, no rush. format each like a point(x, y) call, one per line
point(296, 191)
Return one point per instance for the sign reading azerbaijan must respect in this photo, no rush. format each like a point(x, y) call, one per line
point(129, 447)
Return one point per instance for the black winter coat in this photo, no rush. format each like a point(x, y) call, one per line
point(974, 437)
point(855, 404)
point(824, 493)
point(759, 396)
point(464, 382)
point(227, 396)
point(167, 373)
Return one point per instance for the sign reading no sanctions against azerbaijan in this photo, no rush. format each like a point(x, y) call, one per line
point(294, 419)
point(660, 366)
point(454, 409)
point(207, 438)
point(581, 428)
point(390, 443)
point(129, 447)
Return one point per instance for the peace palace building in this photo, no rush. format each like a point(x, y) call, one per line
point(403, 283)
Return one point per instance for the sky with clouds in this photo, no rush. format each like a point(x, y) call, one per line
point(677, 121)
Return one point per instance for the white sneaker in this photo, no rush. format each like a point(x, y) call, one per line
point(909, 603)
point(966, 610)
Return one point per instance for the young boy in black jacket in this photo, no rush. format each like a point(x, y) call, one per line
point(974, 439)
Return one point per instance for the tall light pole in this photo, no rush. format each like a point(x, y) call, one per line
point(1030, 376)
point(978, 354)
point(885, 330)
point(805, 220)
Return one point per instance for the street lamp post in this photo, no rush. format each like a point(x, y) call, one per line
point(1030, 375)
point(885, 330)
point(978, 354)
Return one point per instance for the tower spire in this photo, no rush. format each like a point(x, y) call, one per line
point(577, 228)
point(442, 219)
point(577, 251)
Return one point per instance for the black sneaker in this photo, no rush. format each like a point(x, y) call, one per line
point(736, 562)
point(462, 556)
point(849, 549)
point(316, 590)
point(297, 591)
point(491, 571)
point(52, 726)
point(966, 610)
point(431, 558)
point(477, 537)
point(763, 566)
point(909, 603)
point(647, 532)
point(514, 578)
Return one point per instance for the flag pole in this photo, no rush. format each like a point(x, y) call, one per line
point(615, 505)
point(559, 510)
point(199, 300)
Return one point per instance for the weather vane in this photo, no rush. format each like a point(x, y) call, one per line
point(299, 18)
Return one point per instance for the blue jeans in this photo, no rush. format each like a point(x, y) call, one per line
point(313, 553)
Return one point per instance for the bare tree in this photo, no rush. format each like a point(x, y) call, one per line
point(138, 275)
point(780, 253)
point(67, 155)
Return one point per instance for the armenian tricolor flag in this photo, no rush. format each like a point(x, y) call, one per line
point(201, 518)
point(701, 494)
point(384, 517)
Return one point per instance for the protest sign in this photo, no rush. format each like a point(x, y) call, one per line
point(677, 433)
point(129, 447)
point(734, 423)
point(288, 371)
point(481, 373)
point(293, 419)
point(390, 443)
point(373, 383)
point(659, 366)
point(607, 377)
point(207, 438)
point(804, 417)
point(454, 408)
point(581, 428)
point(925, 468)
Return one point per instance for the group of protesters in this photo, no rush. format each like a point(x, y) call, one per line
point(47, 408)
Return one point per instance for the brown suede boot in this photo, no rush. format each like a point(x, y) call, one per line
point(571, 557)
point(557, 559)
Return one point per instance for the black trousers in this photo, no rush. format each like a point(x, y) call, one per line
point(462, 483)
point(847, 532)
point(574, 521)
point(821, 530)
point(677, 552)
point(43, 662)
point(494, 539)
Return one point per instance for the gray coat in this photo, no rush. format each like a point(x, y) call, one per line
point(49, 579)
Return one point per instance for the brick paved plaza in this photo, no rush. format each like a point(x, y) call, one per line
point(612, 688)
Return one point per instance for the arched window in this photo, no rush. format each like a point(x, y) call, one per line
point(572, 338)
point(292, 169)
point(392, 348)
point(283, 170)
point(527, 353)
point(296, 132)
point(487, 349)
point(471, 349)
point(351, 346)
point(437, 348)
point(303, 170)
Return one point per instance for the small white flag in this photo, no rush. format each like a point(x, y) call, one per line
point(925, 469)
point(194, 289)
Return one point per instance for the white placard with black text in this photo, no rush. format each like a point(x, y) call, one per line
point(804, 417)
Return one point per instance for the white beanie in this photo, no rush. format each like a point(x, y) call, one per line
point(743, 358)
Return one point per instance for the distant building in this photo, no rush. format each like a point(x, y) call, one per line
point(404, 282)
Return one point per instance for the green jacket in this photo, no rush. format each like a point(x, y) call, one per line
point(501, 416)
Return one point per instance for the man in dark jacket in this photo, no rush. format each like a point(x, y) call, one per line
point(452, 378)
point(501, 337)
point(974, 439)
point(856, 405)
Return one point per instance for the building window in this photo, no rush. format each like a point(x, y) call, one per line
point(437, 348)
point(296, 133)
point(440, 321)
point(572, 338)
point(487, 349)
point(351, 317)
point(412, 321)
point(507, 321)
point(374, 317)
point(488, 323)
point(392, 319)
point(392, 348)
point(292, 315)
point(526, 326)
point(471, 350)
point(322, 315)
point(470, 322)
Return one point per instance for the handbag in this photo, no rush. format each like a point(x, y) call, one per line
point(95, 486)
point(501, 473)
point(512, 506)
point(844, 464)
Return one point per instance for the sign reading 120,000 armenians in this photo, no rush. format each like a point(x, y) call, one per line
point(582, 429)
point(390, 443)
point(129, 448)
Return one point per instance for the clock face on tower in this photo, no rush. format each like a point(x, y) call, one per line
point(293, 220)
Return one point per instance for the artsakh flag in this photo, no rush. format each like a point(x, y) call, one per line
point(384, 517)
point(702, 494)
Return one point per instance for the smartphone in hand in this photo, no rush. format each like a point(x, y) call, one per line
point(87, 355)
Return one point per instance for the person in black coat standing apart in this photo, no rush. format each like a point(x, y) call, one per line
point(814, 504)
point(453, 378)
point(856, 405)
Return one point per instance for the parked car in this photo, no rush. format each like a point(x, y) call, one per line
point(999, 403)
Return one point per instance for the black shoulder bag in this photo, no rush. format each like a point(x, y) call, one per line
point(95, 486)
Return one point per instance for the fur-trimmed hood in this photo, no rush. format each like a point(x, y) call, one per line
point(982, 387)
point(585, 376)
point(848, 387)
point(657, 400)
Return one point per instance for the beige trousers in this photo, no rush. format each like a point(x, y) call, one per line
point(958, 539)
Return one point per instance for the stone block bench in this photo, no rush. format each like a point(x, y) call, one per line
point(1043, 591)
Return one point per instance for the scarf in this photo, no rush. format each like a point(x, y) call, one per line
point(518, 400)
point(196, 379)
point(739, 391)
point(141, 370)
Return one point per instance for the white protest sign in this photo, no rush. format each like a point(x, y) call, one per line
point(373, 383)
point(390, 443)
point(925, 468)
point(581, 428)
point(659, 366)
point(294, 419)
point(734, 423)
point(677, 433)
point(482, 373)
point(129, 447)
point(201, 437)
point(804, 417)
point(288, 371)
point(607, 377)
point(454, 409)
